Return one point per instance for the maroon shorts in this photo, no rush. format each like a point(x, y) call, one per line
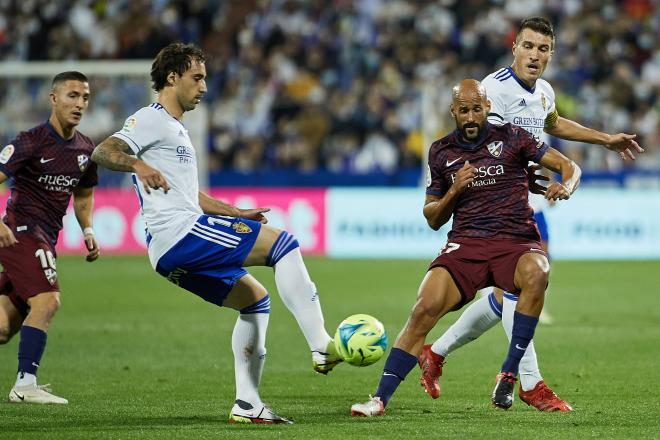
point(475, 263)
point(28, 269)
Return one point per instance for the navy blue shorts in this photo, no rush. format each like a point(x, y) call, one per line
point(208, 261)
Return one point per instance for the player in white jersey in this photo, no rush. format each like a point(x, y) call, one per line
point(519, 96)
point(202, 244)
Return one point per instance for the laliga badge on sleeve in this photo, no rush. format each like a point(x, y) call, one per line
point(6, 153)
point(129, 125)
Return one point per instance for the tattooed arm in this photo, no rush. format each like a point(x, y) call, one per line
point(116, 155)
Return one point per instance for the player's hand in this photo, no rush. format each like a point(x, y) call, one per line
point(92, 248)
point(624, 144)
point(256, 214)
point(7, 237)
point(533, 179)
point(150, 177)
point(464, 177)
point(557, 191)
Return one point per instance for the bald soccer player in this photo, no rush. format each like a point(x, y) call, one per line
point(477, 174)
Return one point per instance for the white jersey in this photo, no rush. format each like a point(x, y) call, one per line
point(513, 101)
point(162, 142)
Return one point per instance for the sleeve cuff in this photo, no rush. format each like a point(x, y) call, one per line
point(130, 142)
point(541, 152)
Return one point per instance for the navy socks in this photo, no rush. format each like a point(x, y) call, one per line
point(522, 334)
point(30, 349)
point(398, 365)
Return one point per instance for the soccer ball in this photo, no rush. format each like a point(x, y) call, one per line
point(361, 340)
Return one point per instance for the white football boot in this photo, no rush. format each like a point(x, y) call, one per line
point(34, 394)
point(324, 361)
point(243, 412)
point(372, 407)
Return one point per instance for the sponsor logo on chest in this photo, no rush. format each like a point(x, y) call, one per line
point(486, 175)
point(60, 182)
point(185, 154)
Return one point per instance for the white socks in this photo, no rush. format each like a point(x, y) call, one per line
point(298, 293)
point(529, 367)
point(472, 323)
point(248, 342)
point(25, 379)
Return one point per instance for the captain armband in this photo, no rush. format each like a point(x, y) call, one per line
point(551, 120)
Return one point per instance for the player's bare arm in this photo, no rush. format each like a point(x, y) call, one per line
point(83, 202)
point(622, 143)
point(570, 174)
point(116, 155)
point(214, 206)
point(6, 235)
point(438, 210)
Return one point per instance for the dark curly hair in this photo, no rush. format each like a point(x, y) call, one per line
point(176, 57)
point(538, 24)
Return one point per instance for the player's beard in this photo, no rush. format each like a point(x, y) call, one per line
point(190, 105)
point(471, 125)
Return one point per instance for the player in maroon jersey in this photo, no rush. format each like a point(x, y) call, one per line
point(478, 175)
point(45, 165)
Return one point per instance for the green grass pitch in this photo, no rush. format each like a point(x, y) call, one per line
point(139, 358)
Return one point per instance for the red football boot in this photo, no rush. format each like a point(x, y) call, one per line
point(431, 365)
point(543, 398)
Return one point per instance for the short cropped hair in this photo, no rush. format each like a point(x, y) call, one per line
point(538, 24)
point(71, 75)
point(176, 57)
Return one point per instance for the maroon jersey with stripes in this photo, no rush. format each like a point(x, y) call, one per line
point(44, 169)
point(495, 204)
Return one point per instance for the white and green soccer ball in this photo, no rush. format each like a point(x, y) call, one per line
point(361, 340)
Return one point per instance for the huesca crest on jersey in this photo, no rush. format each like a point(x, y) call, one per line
point(495, 148)
point(83, 161)
point(241, 228)
point(543, 101)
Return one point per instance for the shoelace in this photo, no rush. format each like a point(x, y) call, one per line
point(273, 413)
point(508, 378)
point(45, 388)
point(375, 400)
point(547, 394)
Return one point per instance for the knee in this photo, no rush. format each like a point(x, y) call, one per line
point(8, 330)
point(5, 334)
point(53, 304)
point(46, 305)
point(423, 312)
point(536, 275)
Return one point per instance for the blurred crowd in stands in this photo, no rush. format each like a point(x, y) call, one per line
point(355, 86)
